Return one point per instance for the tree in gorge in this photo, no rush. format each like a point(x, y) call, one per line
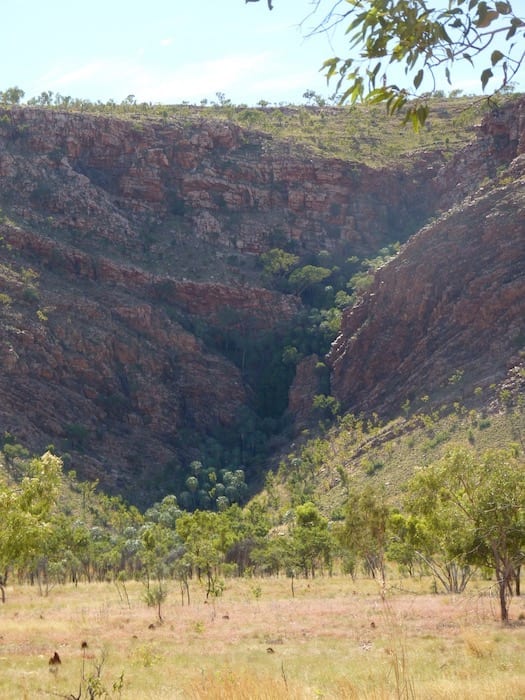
point(426, 43)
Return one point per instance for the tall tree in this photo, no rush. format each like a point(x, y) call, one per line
point(26, 513)
point(311, 542)
point(480, 502)
point(364, 533)
point(206, 536)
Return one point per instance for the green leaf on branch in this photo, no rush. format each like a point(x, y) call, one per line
point(495, 57)
point(485, 77)
point(330, 65)
point(411, 34)
point(417, 116)
point(419, 77)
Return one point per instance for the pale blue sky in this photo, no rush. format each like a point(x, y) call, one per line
point(169, 51)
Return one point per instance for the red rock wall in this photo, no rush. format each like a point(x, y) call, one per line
point(454, 297)
point(130, 223)
point(230, 187)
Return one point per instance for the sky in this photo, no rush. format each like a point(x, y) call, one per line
point(171, 51)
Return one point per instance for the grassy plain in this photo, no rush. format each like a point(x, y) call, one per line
point(335, 638)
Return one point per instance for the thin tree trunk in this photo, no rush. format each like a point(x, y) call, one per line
point(502, 585)
point(3, 584)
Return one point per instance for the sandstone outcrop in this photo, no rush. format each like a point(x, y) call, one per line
point(453, 300)
point(105, 178)
point(129, 262)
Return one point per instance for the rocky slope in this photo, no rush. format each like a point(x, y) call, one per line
point(450, 309)
point(143, 185)
point(129, 263)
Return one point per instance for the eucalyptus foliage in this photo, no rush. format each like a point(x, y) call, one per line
point(470, 509)
point(26, 513)
point(422, 40)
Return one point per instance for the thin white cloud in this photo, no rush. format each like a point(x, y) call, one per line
point(157, 84)
point(201, 79)
point(60, 75)
point(242, 77)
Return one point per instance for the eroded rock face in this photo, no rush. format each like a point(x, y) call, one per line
point(129, 253)
point(143, 235)
point(306, 386)
point(107, 351)
point(454, 297)
point(106, 177)
point(500, 139)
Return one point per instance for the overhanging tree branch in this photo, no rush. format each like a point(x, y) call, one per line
point(406, 34)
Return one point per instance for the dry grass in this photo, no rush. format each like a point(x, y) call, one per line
point(335, 639)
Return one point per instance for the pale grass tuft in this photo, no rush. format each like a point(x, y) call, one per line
point(478, 647)
point(240, 685)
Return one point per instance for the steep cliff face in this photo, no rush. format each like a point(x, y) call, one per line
point(130, 288)
point(454, 297)
point(98, 358)
point(108, 178)
point(129, 251)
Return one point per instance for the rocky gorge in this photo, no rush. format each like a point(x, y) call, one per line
point(131, 283)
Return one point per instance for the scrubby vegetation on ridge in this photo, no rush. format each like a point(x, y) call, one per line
point(359, 132)
point(347, 450)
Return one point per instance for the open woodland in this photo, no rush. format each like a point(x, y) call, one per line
point(254, 602)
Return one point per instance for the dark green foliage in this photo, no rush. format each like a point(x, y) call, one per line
point(77, 435)
point(277, 263)
point(212, 488)
point(268, 360)
point(307, 277)
point(30, 294)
